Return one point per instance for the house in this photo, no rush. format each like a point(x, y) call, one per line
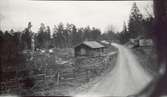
point(105, 43)
point(89, 48)
point(145, 42)
point(141, 41)
point(134, 42)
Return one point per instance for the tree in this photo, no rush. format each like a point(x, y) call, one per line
point(74, 35)
point(148, 21)
point(69, 32)
point(54, 40)
point(58, 37)
point(43, 37)
point(110, 35)
point(40, 37)
point(48, 37)
point(148, 26)
point(135, 26)
point(26, 37)
point(95, 33)
point(12, 59)
point(87, 31)
point(70, 35)
point(124, 35)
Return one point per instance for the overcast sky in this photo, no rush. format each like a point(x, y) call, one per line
point(15, 14)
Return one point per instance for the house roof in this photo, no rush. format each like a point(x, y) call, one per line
point(105, 42)
point(92, 44)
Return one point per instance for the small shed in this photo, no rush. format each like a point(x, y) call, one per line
point(89, 48)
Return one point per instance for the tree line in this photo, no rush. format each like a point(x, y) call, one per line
point(137, 26)
point(68, 35)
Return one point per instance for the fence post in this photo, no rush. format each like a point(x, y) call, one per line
point(58, 78)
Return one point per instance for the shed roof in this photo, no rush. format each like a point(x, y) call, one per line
point(92, 44)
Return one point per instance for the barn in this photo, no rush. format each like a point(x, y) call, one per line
point(89, 48)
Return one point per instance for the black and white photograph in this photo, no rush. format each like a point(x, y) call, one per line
point(82, 48)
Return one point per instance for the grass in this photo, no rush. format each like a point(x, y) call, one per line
point(147, 57)
point(44, 68)
point(56, 73)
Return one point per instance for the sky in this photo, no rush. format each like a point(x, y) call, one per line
point(15, 14)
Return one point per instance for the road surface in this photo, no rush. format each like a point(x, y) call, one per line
point(127, 78)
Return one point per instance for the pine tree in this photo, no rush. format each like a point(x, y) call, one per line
point(135, 26)
point(124, 35)
point(43, 37)
point(26, 37)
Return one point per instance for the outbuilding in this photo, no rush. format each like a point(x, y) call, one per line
point(105, 43)
point(89, 48)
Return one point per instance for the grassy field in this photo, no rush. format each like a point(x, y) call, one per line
point(58, 72)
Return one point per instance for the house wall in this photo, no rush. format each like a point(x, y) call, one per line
point(145, 42)
point(83, 50)
point(96, 52)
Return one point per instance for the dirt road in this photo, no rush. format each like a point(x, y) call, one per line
point(128, 77)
